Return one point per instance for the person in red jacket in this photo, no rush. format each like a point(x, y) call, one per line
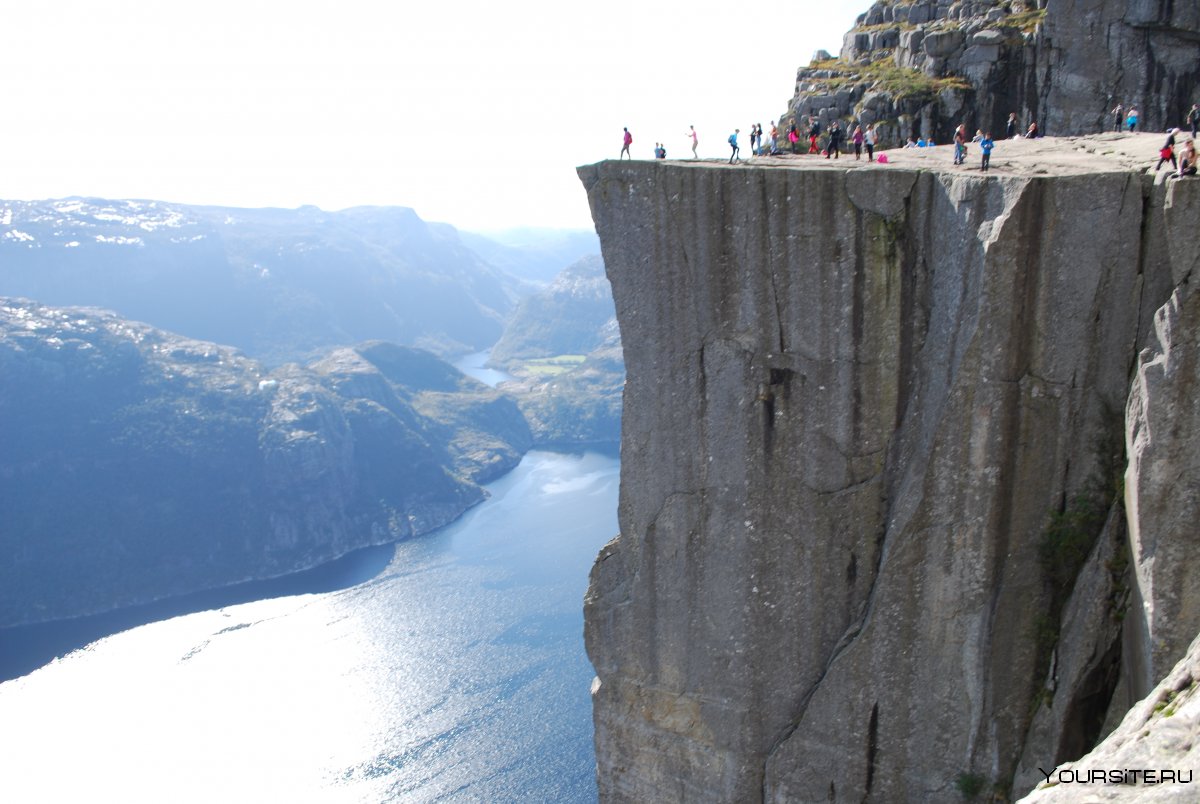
point(625, 147)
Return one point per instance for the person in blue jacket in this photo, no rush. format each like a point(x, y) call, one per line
point(733, 144)
point(986, 144)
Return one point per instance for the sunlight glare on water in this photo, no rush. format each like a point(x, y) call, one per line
point(456, 674)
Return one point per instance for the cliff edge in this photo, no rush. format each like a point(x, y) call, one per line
point(880, 536)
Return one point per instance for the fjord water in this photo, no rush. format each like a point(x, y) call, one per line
point(456, 673)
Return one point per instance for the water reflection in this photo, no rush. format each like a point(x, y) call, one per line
point(455, 673)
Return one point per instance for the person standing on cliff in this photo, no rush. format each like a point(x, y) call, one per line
point(695, 141)
point(733, 144)
point(1193, 119)
point(1116, 113)
point(857, 138)
point(835, 141)
point(1131, 119)
point(869, 137)
point(960, 145)
point(814, 132)
point(625, 147)
point(1010, 128)
point(794, 138)
point(986, 145)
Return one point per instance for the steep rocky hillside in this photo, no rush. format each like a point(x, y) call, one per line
point(908, 474)
point(136, 464)
point(921, 68)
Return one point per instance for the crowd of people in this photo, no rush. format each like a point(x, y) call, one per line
point(1177, 150)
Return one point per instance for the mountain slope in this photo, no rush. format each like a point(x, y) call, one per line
point(136, 464)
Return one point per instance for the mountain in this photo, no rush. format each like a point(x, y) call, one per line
point(279, 284)
point(136, 464)
point(535, 255)
point(573, 315)
point(564, 347)
point(920, 68)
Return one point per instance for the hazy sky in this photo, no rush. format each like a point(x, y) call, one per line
point(472, 112)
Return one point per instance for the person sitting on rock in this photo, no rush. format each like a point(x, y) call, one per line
point(911, 143)
point(1187, 160)
point(1032, 132)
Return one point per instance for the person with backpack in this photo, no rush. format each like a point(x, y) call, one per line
point(814, 133)
point(625, 148)
point(734, 145)
point(794, 138)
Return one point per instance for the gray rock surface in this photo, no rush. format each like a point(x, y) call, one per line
point(857, 401)
point(1063, 63)
point(1158, 735)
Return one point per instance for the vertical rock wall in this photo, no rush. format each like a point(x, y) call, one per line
point(854, 400)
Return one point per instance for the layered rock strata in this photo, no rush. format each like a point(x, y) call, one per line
point(864, 409)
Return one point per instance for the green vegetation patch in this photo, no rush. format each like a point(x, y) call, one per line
point(1026, 21)
point(970, 785)
point(550, 366)
point(884, 76)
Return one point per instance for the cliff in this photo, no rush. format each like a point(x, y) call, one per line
point(136, 464)
point(919, 68)
point(879, 537)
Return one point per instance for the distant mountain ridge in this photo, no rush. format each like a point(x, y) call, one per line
point(136, 464)
point(535, 255)
point(279, 284)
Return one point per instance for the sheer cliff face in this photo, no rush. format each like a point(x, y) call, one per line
point(1092, 54)
point(855, 399)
